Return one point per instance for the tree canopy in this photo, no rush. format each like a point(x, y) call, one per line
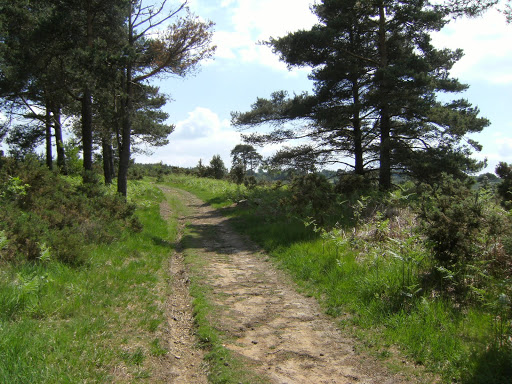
point(93, 60)
point(375, 102)
point(246, 156)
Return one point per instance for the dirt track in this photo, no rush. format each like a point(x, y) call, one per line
point(281, 334)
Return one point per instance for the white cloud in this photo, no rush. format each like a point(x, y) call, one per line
point(498, 148)
point(201, 136)
point(485, 40)
point(505, 148)
point(265, 18)
point(252, 21)
point(227, 3)
point(229, 43)
point(201, 123)
point(486, 44)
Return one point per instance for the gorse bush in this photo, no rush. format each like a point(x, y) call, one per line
point(451, 216)
point(349, 184)
point(311, 195)
point(42, 208)
point(468, 234)
point(466, 230)
point(504, 171)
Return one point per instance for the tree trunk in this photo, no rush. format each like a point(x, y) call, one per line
point(385, 119)
point(112, 162)
point(126, 128)
point(87, 105)
point(358, 148)
point(358, 135)
point(48, 137)
point(108, 170)
point(125, 148)
point(87, 129)
point(356, 114)
point(57, 126)
point(385, 151)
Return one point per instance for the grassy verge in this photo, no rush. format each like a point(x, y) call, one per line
point(372, 286)
point(99, 322)
point(218, 193)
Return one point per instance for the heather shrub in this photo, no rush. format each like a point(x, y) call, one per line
point(41, 207)
point(24, 232)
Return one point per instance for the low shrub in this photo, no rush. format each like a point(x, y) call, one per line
point(311, 195)
point(467, 232)
point(504, 171)
point(349, 184)
point(41, 207)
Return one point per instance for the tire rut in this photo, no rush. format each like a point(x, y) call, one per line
point(187, 360)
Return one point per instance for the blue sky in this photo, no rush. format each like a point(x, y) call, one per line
point(243, 70)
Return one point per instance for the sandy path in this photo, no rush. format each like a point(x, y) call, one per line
point(186, 365)
point(281, 333)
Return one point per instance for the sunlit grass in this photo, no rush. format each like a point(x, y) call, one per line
point(71, 324)
point(219, 193)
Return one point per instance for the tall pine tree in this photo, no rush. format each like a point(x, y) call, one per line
point(178, 51)
point(377, 78)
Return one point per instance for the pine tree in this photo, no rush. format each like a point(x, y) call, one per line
point(377, 77)
point(217, 169)
point(246, 156)
point(177, 52)
point(53, 55)
point(80, 57)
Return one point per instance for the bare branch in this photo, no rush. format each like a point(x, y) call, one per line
point(151, 17)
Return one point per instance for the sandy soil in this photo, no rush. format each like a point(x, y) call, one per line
point(185, 360)
point(282, 334)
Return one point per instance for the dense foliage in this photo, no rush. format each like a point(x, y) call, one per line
point(92, 60)
point(504, 171)
point(45, 215)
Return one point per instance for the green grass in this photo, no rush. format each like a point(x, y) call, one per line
point(218, 193)
point(377, 289)
point(71, 324)
point(62, 323)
